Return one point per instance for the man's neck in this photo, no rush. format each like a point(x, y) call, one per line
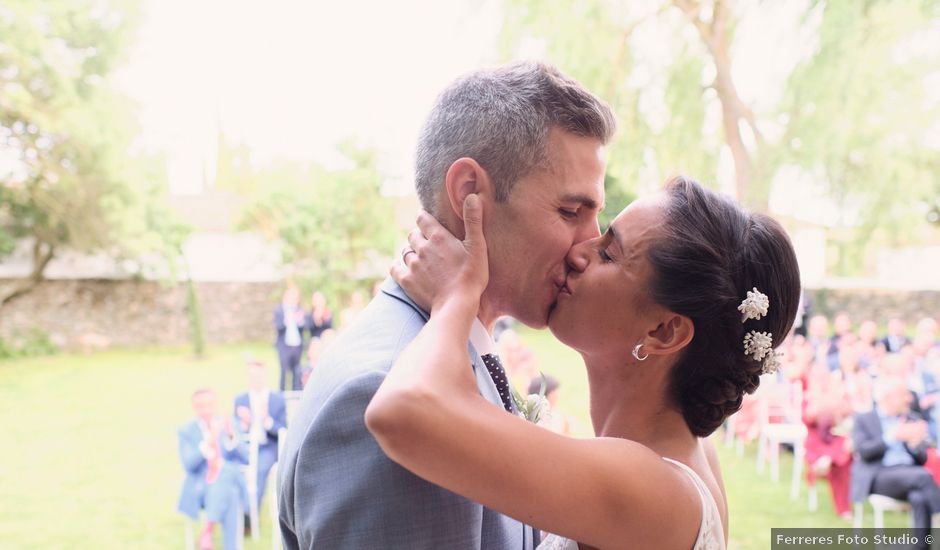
point(488, 313)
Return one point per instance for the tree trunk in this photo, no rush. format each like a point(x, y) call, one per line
point(42, 255)
point(734, 112)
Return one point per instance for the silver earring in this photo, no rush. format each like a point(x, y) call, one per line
point(636, 353)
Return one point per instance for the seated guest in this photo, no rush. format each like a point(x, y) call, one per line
point(896, 338)
point(856, 380)
point(841, 327)
point(868, 332)
point(261, 413)
point(818, 337)
point(890, 451)
point(211, 451)
point(828, 451)
point(871, 349)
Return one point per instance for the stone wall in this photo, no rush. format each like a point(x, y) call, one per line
point(876, 304)
point(100, 313)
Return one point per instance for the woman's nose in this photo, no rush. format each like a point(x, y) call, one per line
point(578, 256)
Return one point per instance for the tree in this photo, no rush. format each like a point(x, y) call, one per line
point(714, 26)
point(331, 224)
point(64, 133)
point(855, 114)
point(646, 150)
point(858, 116)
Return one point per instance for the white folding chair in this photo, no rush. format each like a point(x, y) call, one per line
point(879, 505)
point(251, 482)
point(291, 404)
point(790, 431)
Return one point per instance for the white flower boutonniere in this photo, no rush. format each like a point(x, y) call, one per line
point(534, 407)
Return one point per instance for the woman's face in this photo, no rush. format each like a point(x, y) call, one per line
point(605, 305)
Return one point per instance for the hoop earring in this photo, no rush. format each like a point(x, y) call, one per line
point(636, 353)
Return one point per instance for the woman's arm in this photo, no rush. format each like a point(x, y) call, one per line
point(429, 417)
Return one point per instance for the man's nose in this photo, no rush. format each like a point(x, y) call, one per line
point(590, 230)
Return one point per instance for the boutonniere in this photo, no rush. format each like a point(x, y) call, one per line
point(534, 407)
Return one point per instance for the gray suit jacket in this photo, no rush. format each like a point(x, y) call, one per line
point(338, 490)
point(869, 444)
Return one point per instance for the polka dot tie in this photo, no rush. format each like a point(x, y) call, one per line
point(493, 364)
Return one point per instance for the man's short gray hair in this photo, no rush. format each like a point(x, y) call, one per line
point(501, 118)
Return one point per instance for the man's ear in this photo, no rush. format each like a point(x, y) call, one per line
point(670, 336)
point(465, 176)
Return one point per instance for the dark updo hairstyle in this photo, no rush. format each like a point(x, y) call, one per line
point(709, 255)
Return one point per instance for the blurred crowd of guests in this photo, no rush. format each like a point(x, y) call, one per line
point(867, 396)
point(214, 447)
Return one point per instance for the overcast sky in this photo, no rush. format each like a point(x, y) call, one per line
point(291, 78)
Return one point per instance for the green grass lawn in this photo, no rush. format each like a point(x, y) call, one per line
point(89, 448)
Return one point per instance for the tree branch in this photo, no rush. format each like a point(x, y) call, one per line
point(625, 35)
point(693, 11)
point(41, 259)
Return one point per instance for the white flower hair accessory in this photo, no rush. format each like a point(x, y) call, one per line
point(758, 344)
point(754, 306)
point(770, 364)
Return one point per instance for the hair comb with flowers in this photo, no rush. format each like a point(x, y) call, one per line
point(758, 345)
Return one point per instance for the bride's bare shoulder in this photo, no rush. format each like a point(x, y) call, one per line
point(711, 454)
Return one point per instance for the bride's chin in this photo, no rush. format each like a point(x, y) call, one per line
point(557, 326)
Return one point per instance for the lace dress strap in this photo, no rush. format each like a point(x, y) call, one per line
point(711, 535)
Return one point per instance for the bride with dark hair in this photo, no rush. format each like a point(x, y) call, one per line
point(676, 311)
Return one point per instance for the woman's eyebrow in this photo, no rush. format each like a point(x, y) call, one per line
point(616, 236)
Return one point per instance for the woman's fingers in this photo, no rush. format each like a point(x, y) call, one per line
point(416, 239)
point(427, 224)
point(396, 271)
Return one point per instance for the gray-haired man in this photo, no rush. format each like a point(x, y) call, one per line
point(530, 142)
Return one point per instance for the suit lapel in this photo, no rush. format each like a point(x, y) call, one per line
point(484, 381)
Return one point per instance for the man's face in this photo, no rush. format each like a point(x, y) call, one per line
point(897, 400)
point(291, 297)
point(529, 235)
point(818, 327)
point(204, 405)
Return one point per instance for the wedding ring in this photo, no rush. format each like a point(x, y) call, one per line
point(405, 253)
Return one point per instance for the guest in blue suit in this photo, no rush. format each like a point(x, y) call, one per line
point(289, 323)
point(261, 413)
point(211, 451)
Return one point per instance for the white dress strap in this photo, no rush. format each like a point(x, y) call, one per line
point(711, 534)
